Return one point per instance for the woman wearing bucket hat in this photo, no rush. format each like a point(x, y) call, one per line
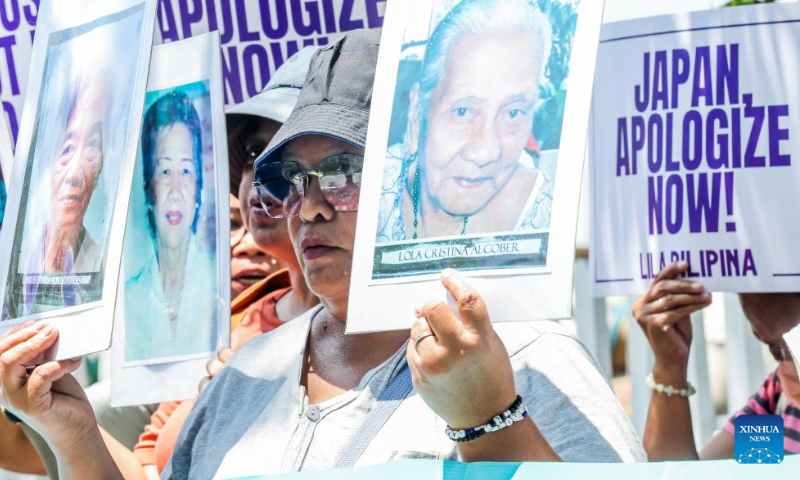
point(311, 397)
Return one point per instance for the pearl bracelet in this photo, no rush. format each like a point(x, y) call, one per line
point(515, 413)
point(669, 389)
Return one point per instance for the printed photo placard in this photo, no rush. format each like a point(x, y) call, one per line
point(61, 244)
point(474, 156)
point(174, 307)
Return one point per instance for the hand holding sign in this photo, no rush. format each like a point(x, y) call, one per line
point(663, 313)
point(462, 371)
point(47, 397)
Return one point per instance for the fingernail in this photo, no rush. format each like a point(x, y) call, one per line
point(697, 286)
point(683, 264)
point(447, 273)
point(39, 326)
point(47, 331)
point(665, 328)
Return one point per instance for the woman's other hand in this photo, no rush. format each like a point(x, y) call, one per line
point(46, 397)
point(214, 366)
point(462, 371)
point(663, 314)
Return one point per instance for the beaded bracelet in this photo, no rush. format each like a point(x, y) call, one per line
point(515, 413)
point(650, 381)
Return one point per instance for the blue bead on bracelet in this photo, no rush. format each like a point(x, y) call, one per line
point(515, 413)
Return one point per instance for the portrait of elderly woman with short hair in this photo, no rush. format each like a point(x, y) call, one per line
point(169, 303)
point(62, 245)
point(462, 168)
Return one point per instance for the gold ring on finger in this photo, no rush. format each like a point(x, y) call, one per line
point(422, 336)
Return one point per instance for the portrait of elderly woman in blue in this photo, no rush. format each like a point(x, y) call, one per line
point(170, 308)
point(467, 161)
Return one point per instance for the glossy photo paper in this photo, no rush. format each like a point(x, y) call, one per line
point(174, 303)
point(62, 235)
point(475, 153)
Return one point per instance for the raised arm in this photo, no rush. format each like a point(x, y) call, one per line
point(464, 374)
point(663, 314)
point(51, 401)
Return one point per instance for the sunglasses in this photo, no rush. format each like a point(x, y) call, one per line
point(281, 186)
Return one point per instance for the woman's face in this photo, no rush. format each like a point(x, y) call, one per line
point(249, 264)
point(174, 184)
point(268, 232)
point(479, 119)
point(322, 237)
point(80, 159)
point(771, 316)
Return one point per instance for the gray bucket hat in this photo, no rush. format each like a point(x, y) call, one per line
point(275, 102)
point(336, 96)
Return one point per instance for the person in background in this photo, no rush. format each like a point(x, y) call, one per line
point(663, 313)
point(249, 264)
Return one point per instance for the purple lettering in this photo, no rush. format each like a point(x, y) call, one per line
point(642, 92)
point(190, 15)
point(623, 158)
point(713, 140)
point(6, 44)
point(777, 135)
point(660, 94)
point(680, 72)
point(702, 71)
point(313, 25)
point(655, 204)
point(275, 32)
point(655, 132)
point(230, 72)
point(728, 74)
point(674, 203)
point(374, 19)
point(346, 22)
point(9, 14)
point(703, 204)
point(692, 144)
point(251, 55)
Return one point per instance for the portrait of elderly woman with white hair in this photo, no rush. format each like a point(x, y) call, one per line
point(462, 167)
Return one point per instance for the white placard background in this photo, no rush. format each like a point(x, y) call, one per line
point(766, 200)
point(509, 297)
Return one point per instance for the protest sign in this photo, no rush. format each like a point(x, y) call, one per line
point(61, 244)
point(173, 305)
point(474, 157)
point(17, 23)
point(257, 37)
point(691, 151)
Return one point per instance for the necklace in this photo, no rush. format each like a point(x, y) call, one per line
point(415, 200)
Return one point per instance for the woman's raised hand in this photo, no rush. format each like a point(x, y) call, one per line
point(46, 397)
point(462, 371)
point(663, 313)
